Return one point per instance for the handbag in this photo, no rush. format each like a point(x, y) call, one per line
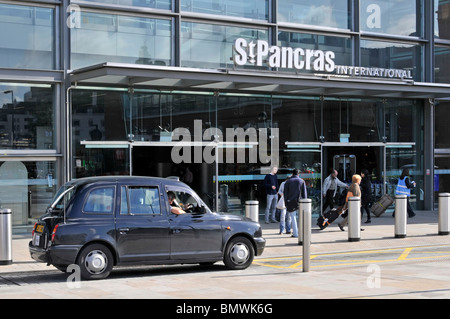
point(280, 204)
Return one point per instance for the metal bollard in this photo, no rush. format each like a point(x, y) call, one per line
point(223, 198)
point(5, 236)
point(444, 216)
point(354, 219)
point(300, 223)
point(305, 211)
point(400, 216)
point(252, 210)
point(303, 204)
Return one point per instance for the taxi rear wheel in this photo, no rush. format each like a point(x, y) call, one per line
point(239, 253)
point(95, 262)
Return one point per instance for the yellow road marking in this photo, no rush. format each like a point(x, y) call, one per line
point(297, 264)
point(346, 262)
point(405, 254)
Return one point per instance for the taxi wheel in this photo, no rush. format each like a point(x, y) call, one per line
point(239, 253)
point(95, 262)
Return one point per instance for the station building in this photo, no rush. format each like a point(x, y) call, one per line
point(103, 87)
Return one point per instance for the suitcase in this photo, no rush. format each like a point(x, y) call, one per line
point(380, 207)
point(329, 217)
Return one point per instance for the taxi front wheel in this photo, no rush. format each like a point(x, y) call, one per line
point(239, 253)
point(95, 262)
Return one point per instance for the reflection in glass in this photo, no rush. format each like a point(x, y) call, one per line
point(27, 38)
point(392, 55)
point(442, 64)
point(397, 17)
point(114, 38)
point(157, 4)
point(441, 176)
point(211, 46)
point(398, 158)
point(442, 19)
point(442, 138)
point(325, 13)
point(26, 116)
point(353, 120)
point(27, 188)
point(404, 123)
point(341, 46)
point(253, 9)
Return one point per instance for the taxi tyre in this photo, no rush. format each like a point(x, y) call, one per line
point(239, 253)
point(95, 262)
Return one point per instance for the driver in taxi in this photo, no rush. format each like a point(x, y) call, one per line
point(175, 208)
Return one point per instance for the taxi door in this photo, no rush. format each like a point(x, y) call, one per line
point(142, 227)
point(197, 234)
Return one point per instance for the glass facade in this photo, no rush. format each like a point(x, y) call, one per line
point(442, 19)
point(210, 45)
point(322, 13)
point(27, 116)
point(155, 4)
point(108, 115)
point(39, 113)
point(392, 55)
point(30, 40)
point(397, 17)
point(442, 64)
point(442, 40)
point(442, 149)
point(254, 9)
point(341, 46)
point(103, 37)
point(27, 188)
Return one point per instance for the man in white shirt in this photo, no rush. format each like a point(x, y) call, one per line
point(330, 186)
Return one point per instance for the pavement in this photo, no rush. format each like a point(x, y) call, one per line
point(422, 230)
point(408, 267)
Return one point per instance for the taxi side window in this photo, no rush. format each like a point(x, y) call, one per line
point(140, 200)
point(100, 201)
point(183, 199)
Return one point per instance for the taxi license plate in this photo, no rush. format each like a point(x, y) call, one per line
point(40, 228)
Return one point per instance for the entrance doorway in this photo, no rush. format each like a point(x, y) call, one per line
point(349, 160)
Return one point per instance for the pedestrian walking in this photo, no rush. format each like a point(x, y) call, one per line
point(294, 190)
point(404, 187)
point(330, 187)
point(271, 187)
point(366, 194)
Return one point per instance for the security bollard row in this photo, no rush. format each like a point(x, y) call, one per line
point(354, 221)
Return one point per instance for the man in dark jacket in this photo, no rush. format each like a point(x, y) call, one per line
point(294, 190)
point(271, 186)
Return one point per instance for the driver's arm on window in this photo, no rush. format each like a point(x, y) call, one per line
point(177, 210)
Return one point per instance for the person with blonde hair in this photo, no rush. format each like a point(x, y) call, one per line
point(353, 191)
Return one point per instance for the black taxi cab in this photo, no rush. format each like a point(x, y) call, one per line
point(100, 222)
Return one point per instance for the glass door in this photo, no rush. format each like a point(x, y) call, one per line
point(401, 156)
point(352, 158)
point(307, 158)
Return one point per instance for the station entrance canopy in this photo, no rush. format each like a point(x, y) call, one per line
point(252, 81)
